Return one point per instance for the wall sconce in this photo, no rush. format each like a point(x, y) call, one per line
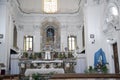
point(92, 37)
point(93, 41)
point(117, 29)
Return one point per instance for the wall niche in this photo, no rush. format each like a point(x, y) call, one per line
point(50, 32)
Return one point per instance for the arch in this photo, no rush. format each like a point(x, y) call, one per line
point(50, 25)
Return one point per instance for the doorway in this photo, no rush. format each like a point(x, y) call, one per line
point(116, 62)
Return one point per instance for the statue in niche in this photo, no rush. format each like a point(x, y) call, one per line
point(50, 35)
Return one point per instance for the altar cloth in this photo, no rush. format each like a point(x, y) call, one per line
point(47, 61)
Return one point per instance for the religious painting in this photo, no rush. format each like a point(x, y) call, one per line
point(50, 35)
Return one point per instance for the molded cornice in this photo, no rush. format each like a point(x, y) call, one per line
point(24, 12)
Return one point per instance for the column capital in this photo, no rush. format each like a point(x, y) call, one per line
point(20, 27)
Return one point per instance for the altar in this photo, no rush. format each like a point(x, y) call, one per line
point(45, 67)
point(48, 62)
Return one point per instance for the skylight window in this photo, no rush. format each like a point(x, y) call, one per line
point(50, 6)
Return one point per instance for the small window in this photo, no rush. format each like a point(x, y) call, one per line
point(50, 6)
point(28, 43)
point(71, 43)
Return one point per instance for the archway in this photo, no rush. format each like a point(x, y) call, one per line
point(50, 33)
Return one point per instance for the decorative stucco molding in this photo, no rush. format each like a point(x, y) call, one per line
point(20, 27)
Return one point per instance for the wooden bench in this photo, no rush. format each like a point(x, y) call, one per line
point(10, 77)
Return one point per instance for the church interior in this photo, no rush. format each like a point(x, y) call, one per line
point(59, 37)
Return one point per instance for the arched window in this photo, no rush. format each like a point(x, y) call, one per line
point(28, 43)
point(71, 43)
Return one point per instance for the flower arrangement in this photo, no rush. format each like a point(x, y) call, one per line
point(101, 68)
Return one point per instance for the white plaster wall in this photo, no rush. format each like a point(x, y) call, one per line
point(69, 25)
point(93, 25)
point(81, 64)
point(5, 29)
point(63, 37)
point(36, 38)
point(20, 39)
point(3, 50)
point(93, 19)
point(71, 30)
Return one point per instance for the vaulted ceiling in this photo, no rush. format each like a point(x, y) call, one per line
point(36, 6)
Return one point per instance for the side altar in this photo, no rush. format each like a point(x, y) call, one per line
point(46, 62)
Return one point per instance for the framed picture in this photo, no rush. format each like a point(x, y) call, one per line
point(92, 36)
point(1, 36)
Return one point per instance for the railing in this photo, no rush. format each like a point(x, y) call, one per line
point(69, 77)
point(85, 76)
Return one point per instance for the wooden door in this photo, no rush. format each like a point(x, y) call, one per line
point(116, 62)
